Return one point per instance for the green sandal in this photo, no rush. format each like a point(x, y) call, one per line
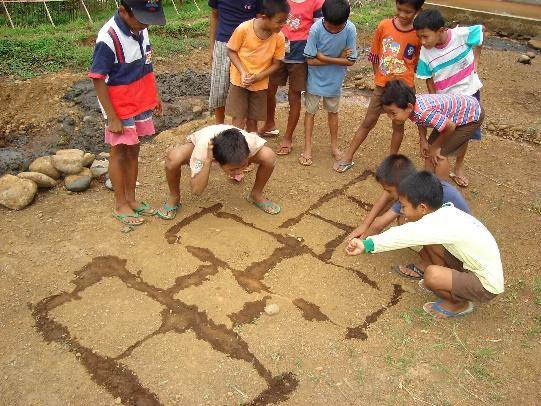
point(144, 209)
point(268, 206)
point(171, 209)
point(122, 218)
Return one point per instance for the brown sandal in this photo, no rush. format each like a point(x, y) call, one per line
point(284, 150)
point(305, 160)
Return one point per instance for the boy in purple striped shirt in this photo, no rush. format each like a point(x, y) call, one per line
point(454, 119)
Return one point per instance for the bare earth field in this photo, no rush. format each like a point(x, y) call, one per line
point(172, 313)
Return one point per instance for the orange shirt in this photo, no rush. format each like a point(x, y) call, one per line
point(255, 54)
point(395, 53)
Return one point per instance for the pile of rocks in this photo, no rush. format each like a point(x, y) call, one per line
point(526, 58)
point(76, 167)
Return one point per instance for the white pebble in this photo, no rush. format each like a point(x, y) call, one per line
point(272, 309)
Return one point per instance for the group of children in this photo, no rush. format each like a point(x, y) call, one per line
point(258, 45)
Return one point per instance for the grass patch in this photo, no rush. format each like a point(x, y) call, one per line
point(30, 51)
point(367, 17)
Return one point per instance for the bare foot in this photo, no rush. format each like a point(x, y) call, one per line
point(337, 154)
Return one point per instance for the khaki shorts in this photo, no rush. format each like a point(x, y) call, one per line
point(296, 72)
point(460, 137)
point(244, 103)
point(311, 103)
point(465, 285)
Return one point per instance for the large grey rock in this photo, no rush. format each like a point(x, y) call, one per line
point(99, 168)
point(88, 158)
point(40, 179)
point(72, 151)
point(44, 164)
point(16, 193)
point(69, 164)
point(77, 183)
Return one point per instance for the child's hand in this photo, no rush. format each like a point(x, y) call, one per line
point(435, 155)
point(158, 110)
point(210, 153)
point(423, 149)
point(355, 247)
point(346, 53)
point(358, 232)
point(115, 125)
point(248, 79)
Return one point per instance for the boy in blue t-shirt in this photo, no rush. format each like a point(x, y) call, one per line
point(330, 48)
point(391, 171)
point(226, 16)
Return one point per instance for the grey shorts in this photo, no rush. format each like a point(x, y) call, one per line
point(219, 77)
point(311, 103)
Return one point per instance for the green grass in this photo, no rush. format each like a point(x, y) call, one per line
point(27, 51)
point(35, 47)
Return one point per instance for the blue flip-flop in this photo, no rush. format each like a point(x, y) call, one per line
point(341, 167)
point(448, 314)
point(265, 206)
point(412, 267)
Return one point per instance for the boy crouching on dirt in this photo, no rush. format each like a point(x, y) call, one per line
point(126, 88)
point(466, 264)
point(233, 149)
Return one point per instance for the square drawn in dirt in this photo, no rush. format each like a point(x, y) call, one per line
point(219, 296)
point(324, 292)
point(182, 369)
point(228, 240)
point(173, 262)
point(319, 235)
point(343, 210)
point(99, 319)
point(368, 190)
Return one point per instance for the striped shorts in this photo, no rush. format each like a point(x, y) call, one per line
point(135, 127)
point(219, 78)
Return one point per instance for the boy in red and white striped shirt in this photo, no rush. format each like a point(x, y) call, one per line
point(454, 119)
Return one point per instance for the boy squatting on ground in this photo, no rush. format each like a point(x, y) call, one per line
point(255, 49)
point(330, 48)
point(226, 16)
point(391, 171)
point(302, 15)
point(454, 119)
point(126, 88)
point(233, 149)
point(449, 61)
point(466, 264)
point(394, 54)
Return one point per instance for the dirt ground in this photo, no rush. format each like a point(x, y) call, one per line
point(171, 313)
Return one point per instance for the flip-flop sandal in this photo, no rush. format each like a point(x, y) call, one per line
point(421, 284)
point(144, 209)
point(341, 167)
point(271, 133)
point(412, 268)
point(305, 161)
point(446, 314)
point(459, 180)
point(265, 206)
point(282, 148)
point(237, 178)
point(171, 209)
point(122, 218)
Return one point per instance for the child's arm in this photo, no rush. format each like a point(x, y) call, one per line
point(114, 124)
point(262, 75)
point(200, 181)
point(430, 85)
point(213, 27)
point(329, 60)
point(435, 148)
point(235, 60)
point(378, 207)
point(423, 143)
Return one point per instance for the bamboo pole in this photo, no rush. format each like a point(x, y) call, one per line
point(48, 14)
point(175, 6)
point(86, 10)
point(9, 16)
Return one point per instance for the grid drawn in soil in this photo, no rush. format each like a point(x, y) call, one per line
point(180, 317)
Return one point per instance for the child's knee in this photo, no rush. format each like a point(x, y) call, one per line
point(267, 157)
point(172, 159)
point(431, 277)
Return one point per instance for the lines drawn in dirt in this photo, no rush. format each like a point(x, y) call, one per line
point(178, 317)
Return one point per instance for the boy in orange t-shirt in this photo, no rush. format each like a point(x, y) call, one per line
point(255, 49)
point(394, 55)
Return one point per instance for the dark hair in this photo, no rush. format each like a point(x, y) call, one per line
point(126, 7)
point(393, 169)
point(270, 8)
point(417, 4)
point(422, 187)
point(336, 12)
point(431, 19)
point(230, 147)
point(397, 92)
